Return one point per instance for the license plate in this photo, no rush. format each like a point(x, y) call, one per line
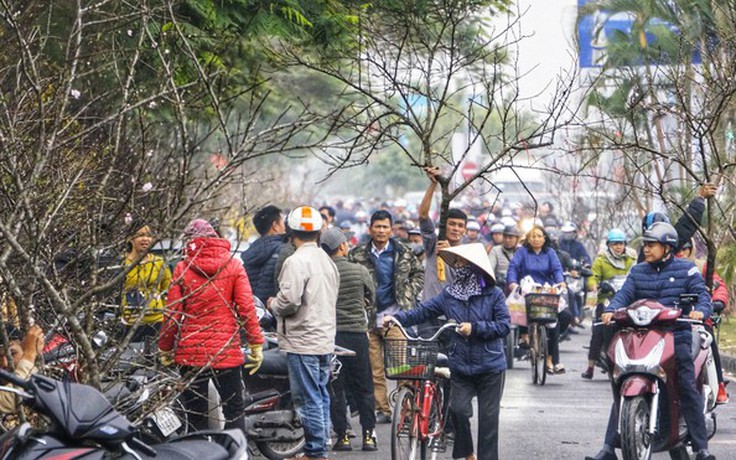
point(166, 421)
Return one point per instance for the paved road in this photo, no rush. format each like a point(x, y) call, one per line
point(565, 419)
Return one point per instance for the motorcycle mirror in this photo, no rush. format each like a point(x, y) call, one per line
point(100, 339)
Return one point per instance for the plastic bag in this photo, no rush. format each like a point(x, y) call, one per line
point(517, 308)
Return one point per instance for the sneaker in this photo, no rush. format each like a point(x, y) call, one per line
point(343, 444)
point(369, 441)
point(705, 455)
point(383, 418)
point(588, 374)
point(559, 369)
point(722, 394)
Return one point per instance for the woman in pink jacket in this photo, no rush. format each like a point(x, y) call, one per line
point(209, 300)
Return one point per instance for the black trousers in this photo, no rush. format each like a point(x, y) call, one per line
point(600, 335)
point(229, 384)
point(355, 377)
point(488, 388)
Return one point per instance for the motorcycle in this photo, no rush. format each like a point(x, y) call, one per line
point(142, 394)
point(644, 379)
point(83, 423)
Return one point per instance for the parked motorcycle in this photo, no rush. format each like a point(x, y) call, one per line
point(83, 423)
point(141, 393)
point(644, 378)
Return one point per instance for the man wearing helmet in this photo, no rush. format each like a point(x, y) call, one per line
point(663, 277)
point(570, 244)
point(500, 256)
point(613, 262)
point(497, 234)
point(306, 326)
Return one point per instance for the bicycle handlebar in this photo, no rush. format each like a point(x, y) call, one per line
point(451, 324)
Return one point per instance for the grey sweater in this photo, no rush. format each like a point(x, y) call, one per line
point(355, 296)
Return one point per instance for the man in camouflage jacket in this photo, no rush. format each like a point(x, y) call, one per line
point(399, 278)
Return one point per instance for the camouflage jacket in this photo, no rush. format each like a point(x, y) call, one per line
point(408, 271)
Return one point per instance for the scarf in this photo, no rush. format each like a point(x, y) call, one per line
point(616, 261)
point(467, 283)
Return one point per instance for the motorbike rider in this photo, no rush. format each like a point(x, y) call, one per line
point(613, 261)
point(497, 234)
point(664, 278)
point(569, 243)
point(500, 256)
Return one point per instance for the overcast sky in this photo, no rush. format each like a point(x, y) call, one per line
point(549, 47)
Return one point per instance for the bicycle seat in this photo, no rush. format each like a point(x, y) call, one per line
point(442, 360)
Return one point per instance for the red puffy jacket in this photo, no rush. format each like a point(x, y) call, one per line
point(209, 298)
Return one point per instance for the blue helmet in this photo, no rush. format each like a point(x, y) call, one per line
point(651, 218)
point(616, 235)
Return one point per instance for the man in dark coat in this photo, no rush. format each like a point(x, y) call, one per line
point(259, 259)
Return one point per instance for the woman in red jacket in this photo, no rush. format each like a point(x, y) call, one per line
point(209, 299)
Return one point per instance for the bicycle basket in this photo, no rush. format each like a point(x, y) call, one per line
point(542, 308)
point(406, 359)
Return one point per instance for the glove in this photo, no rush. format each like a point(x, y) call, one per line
point(254, 359)
point(166, 358)
point(718, 306)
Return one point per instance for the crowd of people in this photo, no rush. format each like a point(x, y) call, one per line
point(335, 277)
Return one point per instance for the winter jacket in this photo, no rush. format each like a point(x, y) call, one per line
point(687, 224)
point(408, 272)
point(664, 282)
point(544, 267)
point(355, 298)
point(483, 350)
point(145, 288)
point(500, 259)
point(259, 261)
point(305, 303)
point(576, 250)
point(606, 266)
point(208, 302)
point(720, 290)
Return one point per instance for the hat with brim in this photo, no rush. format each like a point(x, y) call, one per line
point(475, 253)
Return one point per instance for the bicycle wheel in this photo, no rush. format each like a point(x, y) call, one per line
point(542, 353)
point(534, 352)
point(405, 443)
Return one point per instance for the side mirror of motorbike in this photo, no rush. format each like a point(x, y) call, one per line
point(100, 339)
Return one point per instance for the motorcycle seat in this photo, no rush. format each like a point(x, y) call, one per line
point(442, 360)
point(274, 363)
point(190, 449)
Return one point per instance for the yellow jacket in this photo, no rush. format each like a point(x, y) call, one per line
point(145, 287)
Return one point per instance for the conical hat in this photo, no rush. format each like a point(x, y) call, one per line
point(475, 253)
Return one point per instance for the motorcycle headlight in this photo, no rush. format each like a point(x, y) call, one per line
point(642, 316)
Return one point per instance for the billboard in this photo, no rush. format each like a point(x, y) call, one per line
point(596, 30)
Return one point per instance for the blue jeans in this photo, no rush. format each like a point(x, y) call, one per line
point(308, 377)
point(691, 402)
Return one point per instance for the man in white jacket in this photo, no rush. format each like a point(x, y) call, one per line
point(306, 325)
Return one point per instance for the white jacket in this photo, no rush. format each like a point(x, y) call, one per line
point(305, 305)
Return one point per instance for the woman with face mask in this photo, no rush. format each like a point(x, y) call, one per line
point(477, 358)
point(613, 262)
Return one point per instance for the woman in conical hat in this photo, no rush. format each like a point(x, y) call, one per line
point(476, 352)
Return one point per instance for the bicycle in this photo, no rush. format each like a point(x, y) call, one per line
point(418, 419)
point(541, 309)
